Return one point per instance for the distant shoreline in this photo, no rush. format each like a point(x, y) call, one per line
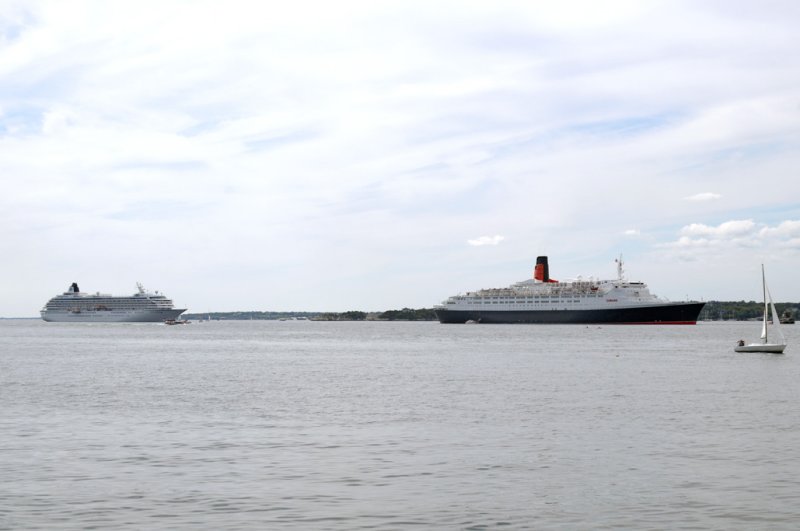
point(406, 314)
point(713, 311)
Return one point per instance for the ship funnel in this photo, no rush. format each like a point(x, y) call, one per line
point(542, 271)
point(74, 288)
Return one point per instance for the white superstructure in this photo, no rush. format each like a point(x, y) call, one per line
point(76, 306)
point(551, 295)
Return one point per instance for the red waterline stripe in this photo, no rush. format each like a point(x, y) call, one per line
point(660, 323)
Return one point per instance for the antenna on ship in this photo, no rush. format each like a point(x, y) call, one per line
point(620, 271)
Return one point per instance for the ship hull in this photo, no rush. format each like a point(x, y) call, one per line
point(674, 313)
point(112, 316)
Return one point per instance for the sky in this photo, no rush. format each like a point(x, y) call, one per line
point(333, 156)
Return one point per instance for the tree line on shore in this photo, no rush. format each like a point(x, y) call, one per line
point(713, 311)
point(406, 314)
point(743, 311)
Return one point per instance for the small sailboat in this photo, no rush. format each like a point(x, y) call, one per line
point(765, 345)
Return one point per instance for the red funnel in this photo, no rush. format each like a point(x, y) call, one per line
point(542, 271)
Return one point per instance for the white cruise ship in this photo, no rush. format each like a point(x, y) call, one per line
point(542, 300)
point(74, 306)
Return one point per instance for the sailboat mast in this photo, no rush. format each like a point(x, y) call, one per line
point(766, 312)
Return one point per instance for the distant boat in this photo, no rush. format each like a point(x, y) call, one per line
point(765, 345)
point(75, 306)
point(787, 317)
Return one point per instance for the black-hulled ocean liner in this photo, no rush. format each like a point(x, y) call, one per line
point(74, 306)
point(542, 300)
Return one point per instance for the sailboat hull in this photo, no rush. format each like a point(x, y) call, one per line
point(774, 348)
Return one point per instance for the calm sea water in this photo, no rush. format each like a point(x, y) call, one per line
point(311, 425)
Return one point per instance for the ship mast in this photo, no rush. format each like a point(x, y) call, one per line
point(766, 308)
point(620, 271)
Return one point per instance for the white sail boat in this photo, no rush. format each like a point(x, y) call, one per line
point(765, 345)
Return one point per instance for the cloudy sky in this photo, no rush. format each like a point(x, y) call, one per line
point(376, 155)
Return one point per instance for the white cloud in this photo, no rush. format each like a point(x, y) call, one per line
point(727, 230)
point(486, 240)
point(722, 262)
point(632, 232)
point(705, 196)
point(738, 235)
point(786, 230)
